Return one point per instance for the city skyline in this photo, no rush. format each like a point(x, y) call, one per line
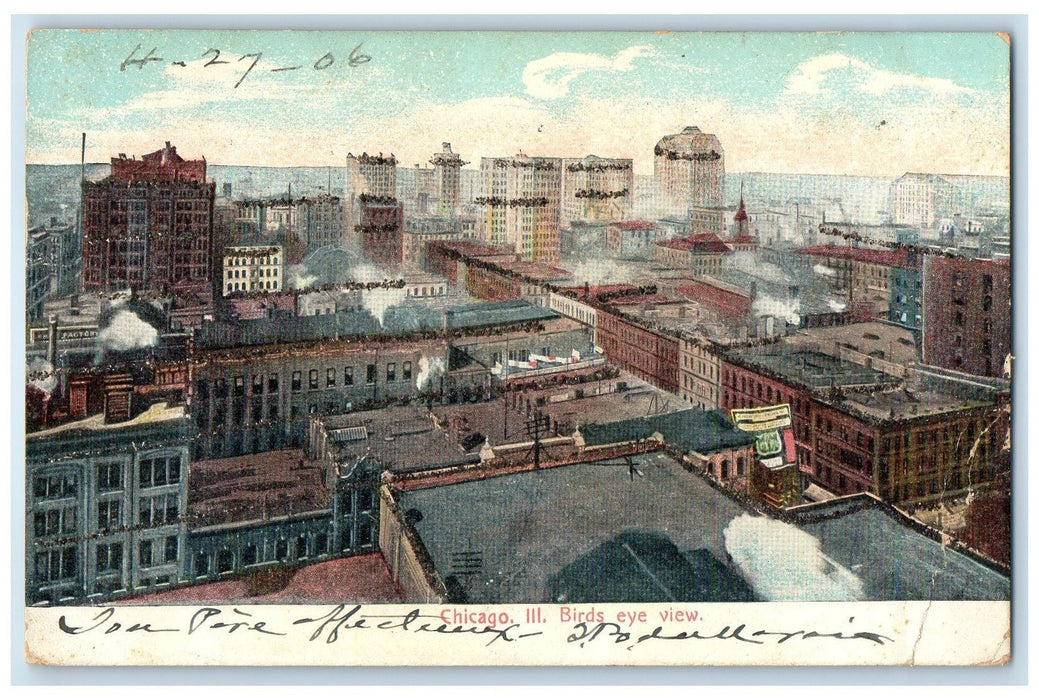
point(854, 104)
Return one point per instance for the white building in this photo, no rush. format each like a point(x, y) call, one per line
point(252, 269)
point(520, 205)
point(919, 199)
point(596, 190)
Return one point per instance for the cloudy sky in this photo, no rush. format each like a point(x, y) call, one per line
point(870, 104)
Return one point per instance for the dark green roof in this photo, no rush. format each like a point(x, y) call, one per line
point(692, 430)
point(496, 312)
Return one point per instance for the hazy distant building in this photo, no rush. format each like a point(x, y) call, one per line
point(596, 190)
point(520, 205)
point(149, 226)
point(919, 199)
point(689, 170)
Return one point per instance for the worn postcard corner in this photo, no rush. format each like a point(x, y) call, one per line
point(613, 348)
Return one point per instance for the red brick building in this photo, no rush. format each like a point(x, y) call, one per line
point(858, 430)
point(149, 227)
point(444, 258)
point(381, 228)
point(650, 355)
point(966, 314)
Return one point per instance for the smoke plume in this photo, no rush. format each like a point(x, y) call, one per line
point(783, 563)
point(429, 370)
point(126, 331)
point(784, 309)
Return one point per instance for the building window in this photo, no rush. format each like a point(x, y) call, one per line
point(297, 380)
point(54, 522)
point(348, 376)
point(145, 555)
point(239, 385)
point(172, 549)
point(330, 376)
point(159, 471)
point(257, 383)
point(158, 510)
point(391, 372)
point(109, 515)
point(109, 476)
point(54, 486)
point(371, 374)
point(55, 564)
point(272, 384)
point(313, 379)
point(109, 557)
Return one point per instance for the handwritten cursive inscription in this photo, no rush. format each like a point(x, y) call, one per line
point(355, 59)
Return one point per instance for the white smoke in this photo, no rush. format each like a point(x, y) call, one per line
point(429, 369)
point(783, 563)
point(747, 262)
point(821, 269)
point(126, 331)
point(602, 271)
point(379, 300)
point(785, 309)
point(836, 305)
point(299, 277)
point(46, 384)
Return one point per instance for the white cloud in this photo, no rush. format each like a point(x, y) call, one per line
point(550, 77)
point(810, 77)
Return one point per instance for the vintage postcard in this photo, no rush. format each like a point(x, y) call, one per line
point(517, 348)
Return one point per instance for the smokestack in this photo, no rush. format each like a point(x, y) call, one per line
point(587, 289)
point(52, 341)
point(753, 290)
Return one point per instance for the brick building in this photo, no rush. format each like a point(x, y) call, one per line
point(649, 354)
point(381, 225)
point(702, 253)
point(149, 227)
point(933, 435)
point(966, 315)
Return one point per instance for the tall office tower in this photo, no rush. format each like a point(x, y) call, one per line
point(447, 167)
point(149, 227)
point(689, 170)
point(520, 205)
point(597, 190)
point(371, 179)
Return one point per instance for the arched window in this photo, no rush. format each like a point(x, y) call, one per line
point(725, 469)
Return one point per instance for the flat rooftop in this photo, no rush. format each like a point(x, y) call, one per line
point(808, 367)
point(254, 488)
point(160, 412)
point(399, 438)
point(904, 402)
point(601, 401)
point(497, 312)
point(692, 430)
point(525, 528)
point(359, 579)
point(880, 340)
point(665, 534)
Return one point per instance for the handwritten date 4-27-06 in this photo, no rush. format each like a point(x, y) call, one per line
point(355, 59)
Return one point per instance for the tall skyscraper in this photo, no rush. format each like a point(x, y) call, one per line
point(920, 200)
point(149, 227)
point(596, 190)
point(519, 205)
point(689, 170)
point(447, 167)
point(370, 181)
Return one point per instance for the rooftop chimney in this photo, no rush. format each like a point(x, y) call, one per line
point(446, 146)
